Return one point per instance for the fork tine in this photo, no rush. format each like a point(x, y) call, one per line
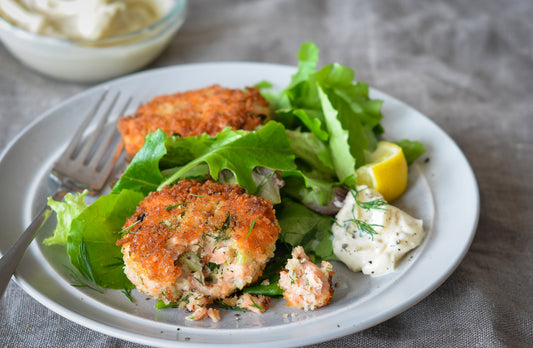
point(105, 171)
point(106, 139)
point(82, 157)
point(76, 139)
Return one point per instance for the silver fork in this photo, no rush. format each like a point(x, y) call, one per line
point(86, 163)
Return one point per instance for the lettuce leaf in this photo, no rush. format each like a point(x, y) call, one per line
point(240, 152)
point(302, 226)
point(308, 60)
point(311, 119)
point(181, 151)
point(306, 189)
point(65, 211)
point(412, 149)
point(143, 174)
point(308, 148)
point(343, 160)
point(92, 239)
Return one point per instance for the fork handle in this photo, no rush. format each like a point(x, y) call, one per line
point(11, 259)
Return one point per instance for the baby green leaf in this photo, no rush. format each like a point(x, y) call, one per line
point(65, 211)
point(241, 152)
point(338, 143)
point(92, 240)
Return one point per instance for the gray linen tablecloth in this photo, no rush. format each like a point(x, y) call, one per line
point(468, 65)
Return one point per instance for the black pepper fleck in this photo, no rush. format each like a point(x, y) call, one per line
point(141, 217)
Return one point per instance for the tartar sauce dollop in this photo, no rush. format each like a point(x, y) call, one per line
point(83, 19)
point(372, 236)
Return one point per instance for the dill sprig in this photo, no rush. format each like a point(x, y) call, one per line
point(127, 293)
point(361, 226)
point(378, 203)
point(81, 282)
point(227, 306)
point(251, 228)
point(199, 280)
point(169, 207)
point(364, 227)
point(265, 180)
point(257, 305)
point(127, 230)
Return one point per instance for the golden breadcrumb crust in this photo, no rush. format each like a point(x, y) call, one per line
point(206, 110)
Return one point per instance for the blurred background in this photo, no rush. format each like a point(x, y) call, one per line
point(467, 65)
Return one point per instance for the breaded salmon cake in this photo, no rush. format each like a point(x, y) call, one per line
point(196, 242)
point(206, 110)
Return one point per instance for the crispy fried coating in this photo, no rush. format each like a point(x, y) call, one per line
point(196, 242)
point(206, 110)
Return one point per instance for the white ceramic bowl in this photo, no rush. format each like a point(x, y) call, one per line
point(92, 60)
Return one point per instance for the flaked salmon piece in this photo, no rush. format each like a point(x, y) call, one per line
point(253, 303)
point(306, 285)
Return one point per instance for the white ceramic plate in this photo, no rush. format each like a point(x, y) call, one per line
point(442, 191)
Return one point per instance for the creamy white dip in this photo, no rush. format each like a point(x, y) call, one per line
point(83, 19)
point(373, 239)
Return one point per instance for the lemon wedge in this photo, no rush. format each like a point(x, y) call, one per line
point(385, 171)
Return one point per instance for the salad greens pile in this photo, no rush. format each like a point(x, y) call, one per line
point(324, 124)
